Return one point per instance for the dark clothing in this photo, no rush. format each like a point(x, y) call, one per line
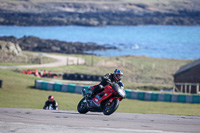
point(108, 79)
point(49, 105)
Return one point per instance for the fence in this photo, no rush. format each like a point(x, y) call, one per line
point(130, 94)
point(186, 88)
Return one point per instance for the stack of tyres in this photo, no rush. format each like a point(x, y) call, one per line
point(1, 82)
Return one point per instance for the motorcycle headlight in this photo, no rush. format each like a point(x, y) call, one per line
point(122, 93)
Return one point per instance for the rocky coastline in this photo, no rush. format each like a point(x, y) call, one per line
point(30, 43)
point(28, 13)
point(97, 13)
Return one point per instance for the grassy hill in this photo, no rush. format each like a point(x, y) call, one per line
point(140, 72)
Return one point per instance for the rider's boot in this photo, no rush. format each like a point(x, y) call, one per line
point(84, 92)
point(95, 91)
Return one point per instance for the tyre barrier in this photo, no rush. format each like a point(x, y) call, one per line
point(130, 94)
point(86, 77)
point(1, 82)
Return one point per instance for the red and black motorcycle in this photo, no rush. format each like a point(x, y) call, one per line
point(106, 101)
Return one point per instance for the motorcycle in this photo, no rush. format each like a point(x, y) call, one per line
point(106, 101)
point(50, 107)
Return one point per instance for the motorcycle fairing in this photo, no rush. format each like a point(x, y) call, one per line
point(107, 92)
point(111, 99)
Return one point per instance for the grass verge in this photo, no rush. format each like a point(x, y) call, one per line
point(18, 92)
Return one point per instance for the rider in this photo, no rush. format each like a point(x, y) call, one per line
point(51, 102)
point(109, 79)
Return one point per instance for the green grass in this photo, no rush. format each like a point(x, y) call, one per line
point(140, 72)
point(18, 92)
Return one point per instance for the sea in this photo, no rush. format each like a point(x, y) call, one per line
point(172, 42)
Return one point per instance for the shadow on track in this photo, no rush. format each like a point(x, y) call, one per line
point(97, 114)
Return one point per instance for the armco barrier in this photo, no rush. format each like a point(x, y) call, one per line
point(38, 84)
point(154, 96)
point(128, 93)
point(188, 98)
point(174, 98)
point(71, 88)
point(78, 89)
point(147, 96)
point(196, 99)
point(44, 85)
point(50, 86)
point(181, 98)
point(138, 95)
point(57, 86)
point(161, 97)
point(134, 95)
point(64, 88)
point(168, 97)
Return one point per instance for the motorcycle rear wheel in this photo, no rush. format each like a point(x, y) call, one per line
point(82, 107)
point(109, 108)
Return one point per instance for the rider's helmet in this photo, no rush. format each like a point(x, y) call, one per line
point(118, 75)
point(51, 98)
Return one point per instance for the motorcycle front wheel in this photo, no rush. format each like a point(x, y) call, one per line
point(82, 107)
point(110, 107)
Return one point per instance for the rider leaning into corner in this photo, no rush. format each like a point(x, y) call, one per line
point(109, 79)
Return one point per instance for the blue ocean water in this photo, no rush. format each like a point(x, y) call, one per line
point(179, 42)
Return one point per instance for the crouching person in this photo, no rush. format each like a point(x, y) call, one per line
point(51, 104)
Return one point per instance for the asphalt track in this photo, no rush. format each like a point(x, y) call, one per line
point(14, 120)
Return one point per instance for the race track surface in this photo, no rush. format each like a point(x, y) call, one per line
point(14, 120)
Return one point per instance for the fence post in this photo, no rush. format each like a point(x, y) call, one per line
point(181, 87)
point(153, 66)
point(77, 61)
point(40, 59)
point(190, 87)
point(174, 87)
point(197, 86)
point(185, 87)
point(67, 61)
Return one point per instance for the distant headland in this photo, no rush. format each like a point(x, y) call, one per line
point(99, 13)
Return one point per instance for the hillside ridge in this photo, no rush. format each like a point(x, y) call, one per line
point(31, 13)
